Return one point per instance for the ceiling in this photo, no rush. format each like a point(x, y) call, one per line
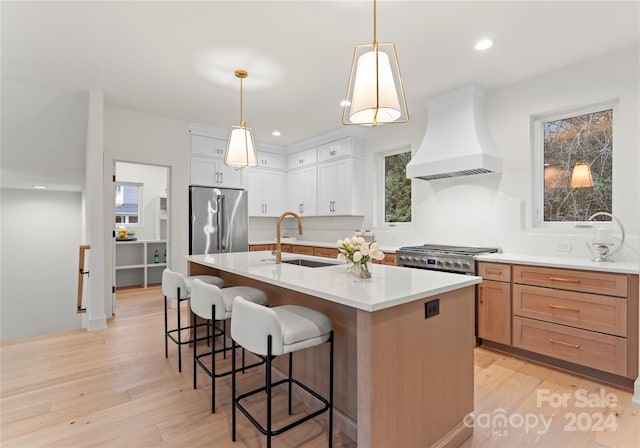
point(177, 58)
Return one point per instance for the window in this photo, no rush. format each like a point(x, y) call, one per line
point(128, 199)
point(573, 169)
point(395, 202)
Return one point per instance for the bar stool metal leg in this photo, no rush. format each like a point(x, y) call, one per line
point(331, 390)
point(269, 358)
point(166, 329)
point(179, 335)
point(233, 390)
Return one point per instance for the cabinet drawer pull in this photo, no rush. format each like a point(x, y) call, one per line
point(561, 307)
point(553, 341)
point(494, 271)
point(564, 280)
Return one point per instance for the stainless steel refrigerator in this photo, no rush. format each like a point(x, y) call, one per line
point(218, 220)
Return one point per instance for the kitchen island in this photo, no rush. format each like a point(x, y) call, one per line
point(401, 379)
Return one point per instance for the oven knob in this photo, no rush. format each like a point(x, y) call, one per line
point(439, 263)
point(466, 265)
point(447, 264)
point(456, 264)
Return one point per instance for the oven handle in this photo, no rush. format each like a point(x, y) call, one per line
point(427, 268)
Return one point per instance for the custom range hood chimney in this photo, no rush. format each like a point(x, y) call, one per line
point(457, 141)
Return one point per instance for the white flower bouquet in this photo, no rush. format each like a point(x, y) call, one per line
point(359, 253)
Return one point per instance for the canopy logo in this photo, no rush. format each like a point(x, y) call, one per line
point(500, 422)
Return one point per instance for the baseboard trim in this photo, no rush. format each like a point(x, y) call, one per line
point(97, 324)
point(455, 437)
point(636, 391)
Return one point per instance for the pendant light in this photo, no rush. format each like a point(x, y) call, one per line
point(241, 150)
point(581, 176)
point(375, 94)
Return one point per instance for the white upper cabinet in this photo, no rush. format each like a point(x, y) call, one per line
point(302, 186)
point(207, 146)
point(265, 190)
point(208, 172)
point(207, 164)
point(340, 189)
point(344, 147)
point(302, 158)
point(271, 160)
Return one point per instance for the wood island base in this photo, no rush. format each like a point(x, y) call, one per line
point(400, 379)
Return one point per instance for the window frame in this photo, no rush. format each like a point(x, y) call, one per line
point(537, 160)
point(379, 202)
point(140, 213)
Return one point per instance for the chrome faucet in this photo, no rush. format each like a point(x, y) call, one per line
point(278, 245)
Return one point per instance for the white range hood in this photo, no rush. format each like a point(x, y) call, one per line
point(457, 141)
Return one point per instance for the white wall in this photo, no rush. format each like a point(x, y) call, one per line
point(43, 137)
point(154, 180)
point(493, 209)
point(138, 137)
point(40, 240)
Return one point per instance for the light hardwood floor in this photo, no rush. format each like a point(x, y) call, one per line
point(114, 388)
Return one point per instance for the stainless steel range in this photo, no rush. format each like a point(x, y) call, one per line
point(435, 257)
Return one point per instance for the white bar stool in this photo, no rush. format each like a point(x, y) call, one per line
point(214, 304)
point(272, 332)
point(176, 286)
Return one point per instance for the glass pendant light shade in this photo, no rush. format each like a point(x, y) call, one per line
point(581, 176)
point(241, 150)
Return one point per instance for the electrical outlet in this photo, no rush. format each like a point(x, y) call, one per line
point(563, 246)
point(431, 308)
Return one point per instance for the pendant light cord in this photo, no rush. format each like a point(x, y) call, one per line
point(375, 49)
point(374, 24)
point(240, 101)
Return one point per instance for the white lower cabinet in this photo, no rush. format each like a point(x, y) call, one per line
point(210, 172)
point(266, 192)
point(302, 186)
point(340, 192)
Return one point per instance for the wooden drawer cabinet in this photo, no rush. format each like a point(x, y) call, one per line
point(494, 271)
point(587, 348)
point(302, 250)
point(389, 260)
point(494, 311)
point(325, 252)
point(573, 280)
point(584, 317)
point(258, 247)
point(589, 311)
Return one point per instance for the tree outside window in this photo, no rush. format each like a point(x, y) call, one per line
point(397, 188)
point(577, 166)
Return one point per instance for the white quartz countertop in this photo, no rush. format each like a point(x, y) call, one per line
point(389, 285)
point(330, 244)
point(620, 267)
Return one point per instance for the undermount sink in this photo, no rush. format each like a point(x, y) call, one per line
point(308, 263)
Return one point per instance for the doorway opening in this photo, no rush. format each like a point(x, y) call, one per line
point(141, 225)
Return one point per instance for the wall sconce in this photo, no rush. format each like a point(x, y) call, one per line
point(375, 94)
point(581, 176)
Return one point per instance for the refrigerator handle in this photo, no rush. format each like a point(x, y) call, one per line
point(220, 229)
point(218, 215)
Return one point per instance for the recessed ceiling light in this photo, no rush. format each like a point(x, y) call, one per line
point(39, 187)
point(276, 133)
point(345, 103)
point(483, 44)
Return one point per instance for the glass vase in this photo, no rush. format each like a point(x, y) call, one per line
point(360, 269)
